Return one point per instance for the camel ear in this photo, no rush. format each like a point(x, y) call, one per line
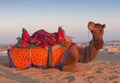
point(104, 25)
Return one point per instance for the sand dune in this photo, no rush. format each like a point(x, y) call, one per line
point(104, 71)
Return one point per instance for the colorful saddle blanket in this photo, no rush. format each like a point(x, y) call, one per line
point(27, 57)
point(41, 38)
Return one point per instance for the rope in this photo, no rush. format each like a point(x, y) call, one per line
point(90, 49)
point(88, 44)
point(88, 52)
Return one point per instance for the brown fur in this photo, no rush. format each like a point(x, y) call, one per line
point(88, 53)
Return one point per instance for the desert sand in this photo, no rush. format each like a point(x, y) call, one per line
point(105, 69)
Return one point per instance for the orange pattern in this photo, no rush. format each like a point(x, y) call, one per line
point(24, 57)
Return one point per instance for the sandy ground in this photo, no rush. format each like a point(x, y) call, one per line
point(106, 69)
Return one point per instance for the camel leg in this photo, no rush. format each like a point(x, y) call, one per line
point(74, 68)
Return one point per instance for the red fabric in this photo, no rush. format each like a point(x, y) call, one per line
point(43, 38)
point(25, 38)
point(60, 36)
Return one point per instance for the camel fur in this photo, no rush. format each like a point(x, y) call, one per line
point(88, 53)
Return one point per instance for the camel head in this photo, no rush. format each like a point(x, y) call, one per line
point(97, 30)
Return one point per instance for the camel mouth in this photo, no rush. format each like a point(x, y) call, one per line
point(91, 25)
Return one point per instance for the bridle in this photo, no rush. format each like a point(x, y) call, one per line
point(88, 40)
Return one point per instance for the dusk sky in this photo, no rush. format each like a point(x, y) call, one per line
point(74, 15)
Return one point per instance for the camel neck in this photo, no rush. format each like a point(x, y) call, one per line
point(98, 44)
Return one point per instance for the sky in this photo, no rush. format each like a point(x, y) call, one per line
point(74, 15)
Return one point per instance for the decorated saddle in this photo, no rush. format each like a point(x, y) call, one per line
point(33, 50)
point(41, 38)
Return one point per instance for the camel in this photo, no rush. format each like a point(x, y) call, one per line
point(81, 54)
point(88, 53)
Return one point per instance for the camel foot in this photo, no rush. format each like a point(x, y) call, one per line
point(85, 71)
point(76, 69)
